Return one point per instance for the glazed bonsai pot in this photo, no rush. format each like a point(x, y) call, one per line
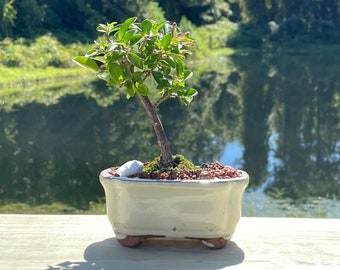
point(208, 210)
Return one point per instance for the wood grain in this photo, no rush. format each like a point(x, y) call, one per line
point(87, 242)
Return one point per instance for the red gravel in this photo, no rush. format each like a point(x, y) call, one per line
point(205, 171)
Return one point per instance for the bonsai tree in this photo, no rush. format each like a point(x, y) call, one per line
point(147, 60)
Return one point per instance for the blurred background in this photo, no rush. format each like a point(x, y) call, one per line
point(267, 73)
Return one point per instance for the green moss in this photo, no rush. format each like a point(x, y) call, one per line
point(179, 161)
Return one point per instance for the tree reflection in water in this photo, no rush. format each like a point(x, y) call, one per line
point(283, 112)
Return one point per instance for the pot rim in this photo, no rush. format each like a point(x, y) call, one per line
point(109, 177)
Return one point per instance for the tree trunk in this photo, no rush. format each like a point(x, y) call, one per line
point(162, 140)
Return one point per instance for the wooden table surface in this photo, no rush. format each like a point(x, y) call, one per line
point(88, 242)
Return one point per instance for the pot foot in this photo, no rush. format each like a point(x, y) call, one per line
point(215, 243)
point(131, 241)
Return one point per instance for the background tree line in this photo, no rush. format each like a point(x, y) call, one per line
point(258, 21)
point(302, 21)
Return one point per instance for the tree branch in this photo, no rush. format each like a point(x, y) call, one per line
point(162, 140)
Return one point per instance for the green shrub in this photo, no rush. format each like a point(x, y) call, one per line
point(45, 51)
point(209, 37)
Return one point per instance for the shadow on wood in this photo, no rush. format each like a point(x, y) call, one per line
point(156, 254)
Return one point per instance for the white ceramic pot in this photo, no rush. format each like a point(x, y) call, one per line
point(208, 210)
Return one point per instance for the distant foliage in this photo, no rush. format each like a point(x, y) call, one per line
point(288, 20)
point(42, 52)
point(261, 22)
point(7, 17)
point(76, 19)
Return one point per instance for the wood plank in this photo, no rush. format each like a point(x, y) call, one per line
point(87, 242)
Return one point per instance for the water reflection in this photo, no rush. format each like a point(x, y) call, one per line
point(277, 117)
point(300, 109)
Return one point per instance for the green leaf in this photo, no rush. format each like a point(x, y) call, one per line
point(111, 47)
point(135, 60)
point(126, 73)
point(112, 27)
point(100, 60)
point(170, 61)
point(137, 76)
point(164, 66)
point(187, 74)
point(116, 73)
point(110, 82)
point(157, 76)
point(87, 62)
point(128, 35)
point(151, 60)
point(130, 89)
point(166, 40)
point(166, 69)
point(179, 67)
point(191, 92)
point(101, 28)
point(146, 27)
point(167, 28)
point(163, 84)
point(158, 27)
point(91, 52)
point(125, 26)
point(135, 39)
point(185, 101)
point(187, 95)
point(142, 89)
point(105, 75)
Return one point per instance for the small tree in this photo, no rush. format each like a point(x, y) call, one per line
point(147, 59)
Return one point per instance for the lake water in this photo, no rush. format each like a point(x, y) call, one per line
point(275, 116)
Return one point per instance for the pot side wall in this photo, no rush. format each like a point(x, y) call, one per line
point(172, 208)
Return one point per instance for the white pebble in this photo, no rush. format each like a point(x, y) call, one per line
point(129, 168)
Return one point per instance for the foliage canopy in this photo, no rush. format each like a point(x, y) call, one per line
point(140, 57)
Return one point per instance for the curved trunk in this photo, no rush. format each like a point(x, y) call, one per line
point(162, 140)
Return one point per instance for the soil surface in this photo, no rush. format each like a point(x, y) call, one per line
point(205, 171)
